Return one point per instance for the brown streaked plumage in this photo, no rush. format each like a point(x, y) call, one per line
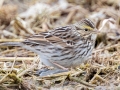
point(66, 46)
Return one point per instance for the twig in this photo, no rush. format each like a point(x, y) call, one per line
point(2, 59)
point(70, 15)
point(108, 47)
point(13, 64)
point(1, 80)
point(97, 77)
point(56, 75)
point(81, 81)
point(110, 20)
point(28, 69)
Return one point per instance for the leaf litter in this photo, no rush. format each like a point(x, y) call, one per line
point(20, 19)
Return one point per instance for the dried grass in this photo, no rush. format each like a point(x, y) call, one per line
point(18, 66)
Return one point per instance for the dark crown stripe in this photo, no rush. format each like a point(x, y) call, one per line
point(88, 22)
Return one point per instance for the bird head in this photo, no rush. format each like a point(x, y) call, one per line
point(86, 28)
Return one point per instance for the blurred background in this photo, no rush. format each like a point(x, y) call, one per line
point(22, 18)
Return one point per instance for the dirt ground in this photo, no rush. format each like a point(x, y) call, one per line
point(22, 18)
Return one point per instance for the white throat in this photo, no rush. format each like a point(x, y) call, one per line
point(93, 36)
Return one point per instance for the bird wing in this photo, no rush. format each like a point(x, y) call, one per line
point(62, 36)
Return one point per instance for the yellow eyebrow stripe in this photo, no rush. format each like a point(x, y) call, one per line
point(88, 27)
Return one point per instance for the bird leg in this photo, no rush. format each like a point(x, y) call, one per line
point(47, 71)
point(58, 65)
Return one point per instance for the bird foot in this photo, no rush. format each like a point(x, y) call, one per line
point(46, 71)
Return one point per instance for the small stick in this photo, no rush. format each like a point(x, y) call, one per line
point(29, 69)
point(70, 15)
point(97, 77)
point(2, 59)
point(81, 81)
point(2, 79)
point(13, 64)
point(108, 47)
point(26, 70)
point(110, 20)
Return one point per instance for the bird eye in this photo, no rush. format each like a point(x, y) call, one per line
point(86, 29)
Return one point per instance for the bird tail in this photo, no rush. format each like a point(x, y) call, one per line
point(10, 44)
point(19, 44)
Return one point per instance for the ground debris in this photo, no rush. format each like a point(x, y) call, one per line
point(20, 19)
